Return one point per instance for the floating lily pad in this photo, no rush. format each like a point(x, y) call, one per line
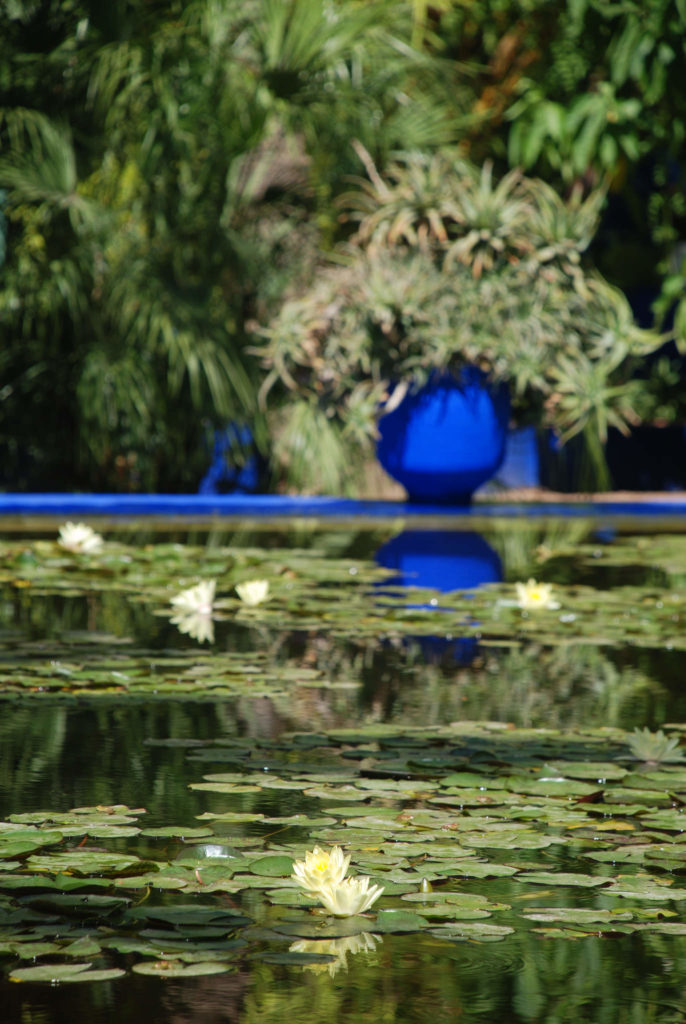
point(55, 973)
point(175, 969)
point(176, 832)
point(388, 921)
point(472, 930)
point(561, 878)
point(272, 866)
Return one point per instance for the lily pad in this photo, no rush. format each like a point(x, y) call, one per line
point(56, 973)
point(175, 969)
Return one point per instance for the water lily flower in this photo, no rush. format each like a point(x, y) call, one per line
point(79, 538)
point(197, 625)
point(321, 868)
point(349, 897)
point(196, 600)
point(365, 942)
point(533, 595)
point(253, 592)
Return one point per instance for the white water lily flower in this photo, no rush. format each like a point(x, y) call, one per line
point(321, 868)
point(196, 600)
point(79, 538)
point(253, 592)
point(349, 897)
point(533, 595)
point(197, 625)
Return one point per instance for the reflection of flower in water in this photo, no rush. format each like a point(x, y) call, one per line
point(196, 625)
point(533, 595)
point(79, 538)
point(320, 868)
point(196, 600)
point(365, 942)
point(653, 747)
point(193, 611)
point(253, 592)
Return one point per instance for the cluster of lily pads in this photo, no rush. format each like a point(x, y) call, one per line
point(455, 825)
point(471, 832)
point(351, 598)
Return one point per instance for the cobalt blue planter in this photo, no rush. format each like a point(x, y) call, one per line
point(446, 439)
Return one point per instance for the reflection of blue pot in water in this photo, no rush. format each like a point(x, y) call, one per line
point(446, 439)
point(442, 559)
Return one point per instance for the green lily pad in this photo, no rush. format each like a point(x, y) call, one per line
point(576, 915)
point(272, 867)
point(561, 878)
point(174, 969)
point(635, 887)
point(55, 973)
point(392, 921)
point(176, 832)
point(472, 930)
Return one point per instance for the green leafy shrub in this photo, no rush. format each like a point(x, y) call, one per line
point(451, 268)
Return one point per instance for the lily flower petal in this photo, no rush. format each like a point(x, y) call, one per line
point(319, 868)
point(79, 538)
point(349, 897)
point(196, 600)
point(253, 592)
point(533, 595)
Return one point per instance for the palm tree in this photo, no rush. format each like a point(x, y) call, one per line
point(192, 176)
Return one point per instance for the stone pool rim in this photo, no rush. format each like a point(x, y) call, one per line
point(266, 506)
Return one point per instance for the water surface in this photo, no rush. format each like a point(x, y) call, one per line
point(61, 750)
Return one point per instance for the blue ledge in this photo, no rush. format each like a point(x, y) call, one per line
point(275, 505)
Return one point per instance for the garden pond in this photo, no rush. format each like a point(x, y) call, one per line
point(510, 772)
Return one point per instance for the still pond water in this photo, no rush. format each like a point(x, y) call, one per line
point(481, 761)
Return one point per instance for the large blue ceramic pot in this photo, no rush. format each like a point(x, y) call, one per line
point(446, 439)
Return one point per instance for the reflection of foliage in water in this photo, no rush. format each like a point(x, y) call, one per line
point(524, 543)
point(309, 676)
point(98, 754)
point(564, 687)
point(597, 981)
point(530, 685)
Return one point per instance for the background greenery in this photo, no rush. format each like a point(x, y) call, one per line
point(170, 170)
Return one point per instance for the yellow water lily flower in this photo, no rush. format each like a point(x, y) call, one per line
point(79, 538)
point(349, 897)
point(196, 600)
point(321, 868)
point(253, 592)
point(533, 595)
